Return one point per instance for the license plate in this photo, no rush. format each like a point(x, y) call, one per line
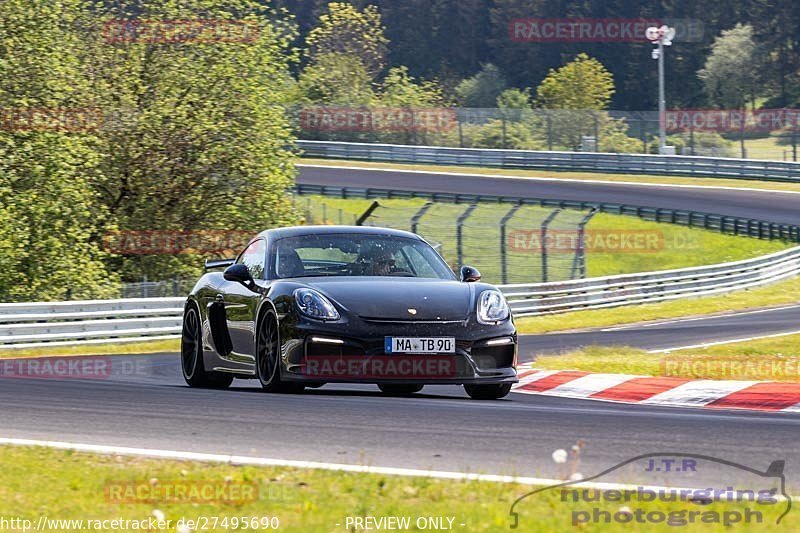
point(420, 345)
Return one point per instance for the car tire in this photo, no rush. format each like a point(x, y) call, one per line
point(488, 392)
point(399, 388)
point(192, 366)
point(268, 369)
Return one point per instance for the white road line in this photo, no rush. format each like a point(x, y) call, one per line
point(697, 393)
point(259, 461)
point(568, 180)
point(694, 319)
point(731, 341)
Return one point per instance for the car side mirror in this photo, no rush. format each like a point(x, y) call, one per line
point(240, 274)
point(470, 274)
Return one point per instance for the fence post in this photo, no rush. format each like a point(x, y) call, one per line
point(460, 232)
point(503, 245)
point(579, 261)
point(543, 235)
point(366, 214)
point(418, 215)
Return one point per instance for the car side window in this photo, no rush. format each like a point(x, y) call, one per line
point(254, 258)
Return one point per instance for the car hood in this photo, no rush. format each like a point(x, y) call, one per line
point(391, 298)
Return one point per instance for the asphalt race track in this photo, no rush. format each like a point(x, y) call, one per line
point(144, 402)
point(772, 206)
point(666, 334)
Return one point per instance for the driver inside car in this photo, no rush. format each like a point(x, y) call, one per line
point(381, 263)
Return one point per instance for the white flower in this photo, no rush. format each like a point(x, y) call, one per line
point(625, 510)
point(560, 456)
point(577, 476)
point(158, 514)
point(576, 448)
point(183, 528)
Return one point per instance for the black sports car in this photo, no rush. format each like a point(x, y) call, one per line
point(304, 306)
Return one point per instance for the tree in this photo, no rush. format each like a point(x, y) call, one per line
point(196, 135)
point(48, 209)
point(730, 74)
point(336, 79)
point(482, 89)
point(400, 89)
point(344, 30)
point(584, 83)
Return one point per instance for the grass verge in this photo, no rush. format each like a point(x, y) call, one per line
point(615, 244)
point(65, 485)
point(775, 359)
point(781, 293)
point(587, 176)
point(169, 345)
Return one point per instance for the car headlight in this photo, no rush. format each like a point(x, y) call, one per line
point(314, 305)
point(492, 307)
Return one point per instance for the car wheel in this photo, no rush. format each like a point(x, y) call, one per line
point(401, 388)
point(488, 392)
point(267, 358)
point(194, 372)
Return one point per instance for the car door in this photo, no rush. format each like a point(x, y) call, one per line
point(241, 304)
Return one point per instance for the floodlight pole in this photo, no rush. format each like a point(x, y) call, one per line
point(662, 104)
point(661, 37)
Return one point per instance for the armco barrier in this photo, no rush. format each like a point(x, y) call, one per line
point(102, 321)
point(25, 325)
point(627, 289)
point(675, 165)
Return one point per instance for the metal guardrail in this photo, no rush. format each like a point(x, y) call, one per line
point(628, 289)
point(28, 325)
point(670, 165)
point(761, 229)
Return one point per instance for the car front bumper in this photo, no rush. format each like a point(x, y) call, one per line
point(330, 352)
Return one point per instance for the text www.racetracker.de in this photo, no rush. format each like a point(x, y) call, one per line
point(152, 523)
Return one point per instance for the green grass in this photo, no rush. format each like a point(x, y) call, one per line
point(170, 345)
point(781, 293)
point(587, 176)
point(65, 485)
point(775, 359)
point(650, 246)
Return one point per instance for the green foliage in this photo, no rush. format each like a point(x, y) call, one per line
point(514, 99)
point(48, 211)
point(400, 89)
point(344, 30)
point(583, 83)
point(482, 89)
point(730, 75)
point(193, 136)
point(336, 79)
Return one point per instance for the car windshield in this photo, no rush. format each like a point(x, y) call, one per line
point(356, 254)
